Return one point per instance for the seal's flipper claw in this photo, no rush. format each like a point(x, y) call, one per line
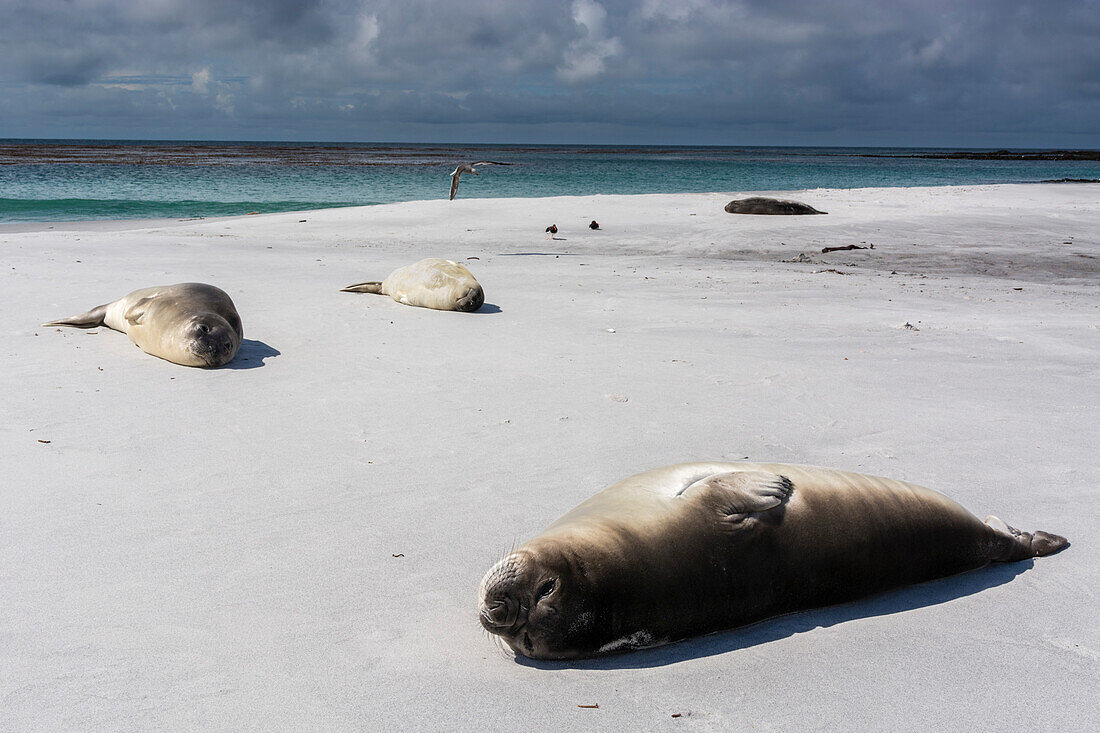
point(743, 493)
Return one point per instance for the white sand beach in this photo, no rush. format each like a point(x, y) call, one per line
point(294, 542)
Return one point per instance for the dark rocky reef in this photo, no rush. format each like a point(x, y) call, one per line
point(998, 155)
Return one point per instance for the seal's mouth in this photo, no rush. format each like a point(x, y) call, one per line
point(213, 354)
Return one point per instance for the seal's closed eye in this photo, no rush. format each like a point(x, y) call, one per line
point(546, 589)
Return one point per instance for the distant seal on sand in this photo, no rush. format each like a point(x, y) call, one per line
point(699, 547)
point(762, 205)
point(429, 283)
point(192, 324)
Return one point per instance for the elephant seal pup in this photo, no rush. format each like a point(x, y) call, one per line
point(762, 205)
point(430, 283)
point(190, 323)
point(699, 547)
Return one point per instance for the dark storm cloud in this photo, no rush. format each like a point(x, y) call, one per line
point(783, 71)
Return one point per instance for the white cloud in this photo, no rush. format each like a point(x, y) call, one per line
point(586, 56)
point(591, 15)
point(223, 101)
point(203, 83)
point(200, 81)
point(364, 40)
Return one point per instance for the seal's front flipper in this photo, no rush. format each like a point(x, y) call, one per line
point(137, 310)
point(1017, 545)
point(91, 319)
point(742, 494)
point(374, 286)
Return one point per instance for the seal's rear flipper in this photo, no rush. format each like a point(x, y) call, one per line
point(1022, 545)
point(371, 287)
point(91, 319)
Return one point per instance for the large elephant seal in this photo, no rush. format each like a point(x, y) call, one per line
point(700, 547)
point(763, 205)
point(190, 323)
point(429, 283)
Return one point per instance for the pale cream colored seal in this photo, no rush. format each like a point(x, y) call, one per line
point(699, 547)
point(429, 283)
point(190, 323)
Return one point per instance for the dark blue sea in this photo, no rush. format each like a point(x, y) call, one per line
point(71, 180)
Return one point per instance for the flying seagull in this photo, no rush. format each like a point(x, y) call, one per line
point(468, 168)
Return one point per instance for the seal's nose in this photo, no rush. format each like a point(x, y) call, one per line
point(499, 615)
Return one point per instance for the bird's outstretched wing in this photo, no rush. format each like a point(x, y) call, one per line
point(468, 168)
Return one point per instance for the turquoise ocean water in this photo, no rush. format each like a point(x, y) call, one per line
point(70, 180)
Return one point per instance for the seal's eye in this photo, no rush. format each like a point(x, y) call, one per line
point(546, 588)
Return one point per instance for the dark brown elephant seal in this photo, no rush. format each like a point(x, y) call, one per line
point(762, 205)
point(699, 547)
point(192, 324)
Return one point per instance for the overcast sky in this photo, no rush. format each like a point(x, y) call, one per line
point(737, 72)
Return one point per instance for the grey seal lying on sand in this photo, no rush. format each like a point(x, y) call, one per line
point(699, 547)
point(192, 324)
point(429, 283)
point(762, 205)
